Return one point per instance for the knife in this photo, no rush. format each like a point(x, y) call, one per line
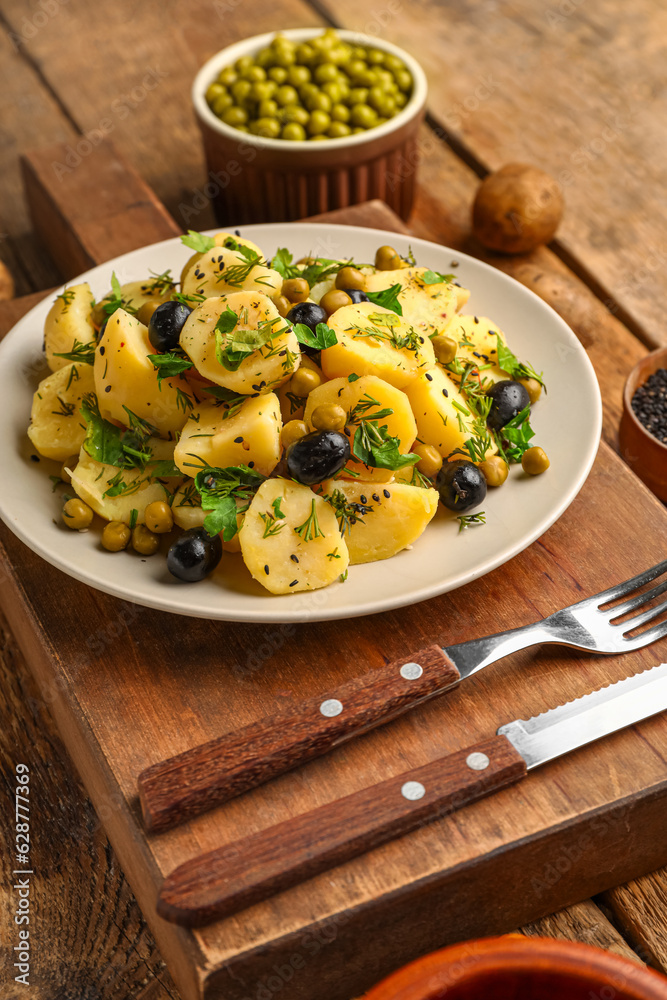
point(223, 881)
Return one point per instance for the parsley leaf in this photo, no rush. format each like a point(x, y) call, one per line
point(115, 300)
point(435, 278)
point(220, 489)
point(169, 364)
point(282, 263)
point(514, 438)
point(388, 298)
point(111, 445)
point(323, 337)
point(374, 446)
point(197, 241)
point(511, 364)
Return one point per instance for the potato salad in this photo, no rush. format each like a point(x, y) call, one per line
point(296, 416)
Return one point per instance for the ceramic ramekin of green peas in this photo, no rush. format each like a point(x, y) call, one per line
point(306, 121)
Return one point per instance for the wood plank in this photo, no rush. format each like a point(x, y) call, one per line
point(639, 910)
point(123, 206)
point(540, 85)
point(583, 922)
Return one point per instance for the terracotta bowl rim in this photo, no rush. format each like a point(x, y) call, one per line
point(228, 55)
point(631, 385)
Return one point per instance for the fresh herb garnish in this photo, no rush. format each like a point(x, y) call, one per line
point(372, 443)
point(314, 272)
point(514, 438)
point(467, 519)
point(134, 514)
point(85, 353)
point(435, 278)
point(115, 300)
point(67, 296)
point(236, 274)
point(347, 513)
point(233, 346)
point(272, 522)
point(111, 445)
point(220, 489)
point(387, 298)
point(511, 364)
point(323, 337)
point(311, 526)
point(197, 241)
point(169, 364)
point(66, 409)
point(159, 283)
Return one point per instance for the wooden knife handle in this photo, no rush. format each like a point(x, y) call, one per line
point(230, 878)
point(184, 786)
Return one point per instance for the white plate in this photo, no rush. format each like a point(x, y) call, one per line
point(567, 423)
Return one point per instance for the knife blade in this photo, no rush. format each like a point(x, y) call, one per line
point(232, 877)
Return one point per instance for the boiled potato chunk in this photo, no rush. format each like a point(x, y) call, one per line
point(263, 370)
point(69, 320)
point(57, 429)
point(187, 511)
point(92, 479)
point(124, 376)
point(476, 337)
point(291, 405)
point(283, 559)
point(395, 517)
point(375, 341)
point(222, 270)
point(372, 394)
point(249, 436)
point(220, 240)
point(443, 416)
point(428, 308)
point(135, 294)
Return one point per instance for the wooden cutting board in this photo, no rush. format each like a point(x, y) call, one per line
point(129, 687)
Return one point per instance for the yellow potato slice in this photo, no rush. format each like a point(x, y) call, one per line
point(373, 394)
point(219, 271)
point(263, 370)
point(135, 294)
point(428, 308)
point(220, 436)
point(443, 415)
point(280, 557)
point(69, 321)
point(57, 429)
point(375, 341)
point(125, 377)
point(476, 337)
point(390, 518)
point(220, 239)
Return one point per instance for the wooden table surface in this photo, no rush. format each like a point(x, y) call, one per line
point(574, 88)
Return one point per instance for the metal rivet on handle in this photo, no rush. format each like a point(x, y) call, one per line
point(477, 761)
point(331, 707)
point(411, 671)
point(413, 790)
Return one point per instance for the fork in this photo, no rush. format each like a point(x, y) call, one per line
point(195, 781)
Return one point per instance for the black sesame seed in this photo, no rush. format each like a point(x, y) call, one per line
point(362, 499)
point(476, 319)
point(251, 465)
point(266, 570)
point(476, 354)
point(282, 353)
point(649, 404)
point(387, 494)
point(34, 458)
point(294, 558)
point(445, 393)
point(429, 377)
point(294, 583)
point(102, 350)
point(107, 388)
point(238, 440)
point(376, 498)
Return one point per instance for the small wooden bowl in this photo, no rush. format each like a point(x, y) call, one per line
point(254, 179)
point(518, 968)
point(646, 456)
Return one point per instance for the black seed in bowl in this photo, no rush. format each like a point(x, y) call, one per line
point(649, 404)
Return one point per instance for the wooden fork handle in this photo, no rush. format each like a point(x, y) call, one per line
point(184, 786)
point(226, 880)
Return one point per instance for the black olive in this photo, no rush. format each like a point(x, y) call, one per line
point(317, 456)
point(308, 313)
point(357, 295)
point(194, 555)
point(100, 332)
point(509, 398)
point(461, 486)
point(165, 325)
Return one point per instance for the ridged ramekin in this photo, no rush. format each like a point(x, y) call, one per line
point(253, 179)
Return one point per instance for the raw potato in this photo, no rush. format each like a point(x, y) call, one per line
point(426, 307)
point(187, 512)
point(476, 337)
point(400, 424)
point(251, 436)
point(69, 320)
point(264, 369)
point(292, 406)
point(122, 364)
point(439, 422)
point(57, 429)
point(517, 208)
point(91, 479)
point(208, 276)
point(219, 242)
point(363, 353)
point(318, 562)
point(391, 523)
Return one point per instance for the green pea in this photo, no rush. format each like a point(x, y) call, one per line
point(269, 128)
point(267, 109)
point(305, 54)
point(318, 102)
point(254, 73)
point(359, 52)
point(282, 42)
point(318, 138)
point(355, 67)
point(227, 76)
point(286, 95)
point(285, 57)
point(221, 104)
point(242, 128)
point(294, 113)
point(318, 122)
point(363, 115)
point(384, 77)
point(306, 90)
point(298, 75)
point(338, 129)
point(278, 73)
point(340, 113)
point(213, 91)
point(325, 73)
point(375, 57)
point(340, 54)
point(243, 63)
point(366, 79)
point(294, 132)
point(264, 58)
point(381, 121)
point(382, 102)
point(357, 129)
point(263, 90)
point(358, 95)
point(393, 63)
point(404, 80)
point(235, 116)
point(334, 92)
point(401, 100)
point(241, 90)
